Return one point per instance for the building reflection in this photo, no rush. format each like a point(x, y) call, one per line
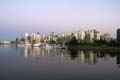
point(81, 57)
point(89, 57)
point(78, 56)
point(73, 53)
point(118, 59)
point(25, 51)
point(93, 56)
point(36, 52)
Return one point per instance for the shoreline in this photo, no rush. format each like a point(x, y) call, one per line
point(104, 48)
point(88, 47)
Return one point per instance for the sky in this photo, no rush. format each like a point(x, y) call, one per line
point(45, 16)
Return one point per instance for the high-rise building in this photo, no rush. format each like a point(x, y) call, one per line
point(97, 35)
point(89, 36)
point(107, 37)
point(26, 37)
point(118, 35)
point(81, 36)
point(36, 37)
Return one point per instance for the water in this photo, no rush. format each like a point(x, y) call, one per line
point(26, 63)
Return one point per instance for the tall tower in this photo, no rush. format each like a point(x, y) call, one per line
point(118, 36)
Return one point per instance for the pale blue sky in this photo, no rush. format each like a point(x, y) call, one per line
point(45, 16)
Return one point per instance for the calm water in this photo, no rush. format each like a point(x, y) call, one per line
point(26, 63)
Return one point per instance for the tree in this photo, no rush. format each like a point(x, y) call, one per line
point(72, 41)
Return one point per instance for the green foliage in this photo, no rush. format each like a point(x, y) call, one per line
point(103, 43)
point(100, 42)
point(111, 43)
point(72, 41)
point(52, 42)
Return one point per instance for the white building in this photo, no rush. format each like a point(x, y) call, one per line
point(90, 36)
point(81, 36)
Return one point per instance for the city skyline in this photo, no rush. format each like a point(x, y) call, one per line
point(20, 35)
point(45, 16)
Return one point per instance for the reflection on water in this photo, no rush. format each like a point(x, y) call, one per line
point(27, 63)
point(118, 59)
point(37, 52)
point(78, 56)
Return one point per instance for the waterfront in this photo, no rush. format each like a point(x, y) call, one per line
point(27, 63)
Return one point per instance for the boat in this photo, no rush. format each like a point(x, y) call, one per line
point(27, 44)
point(59, 46)
point(21, 45)
point(24, 44)
point(37, 45)
point(53, 46)
point(47, 46)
